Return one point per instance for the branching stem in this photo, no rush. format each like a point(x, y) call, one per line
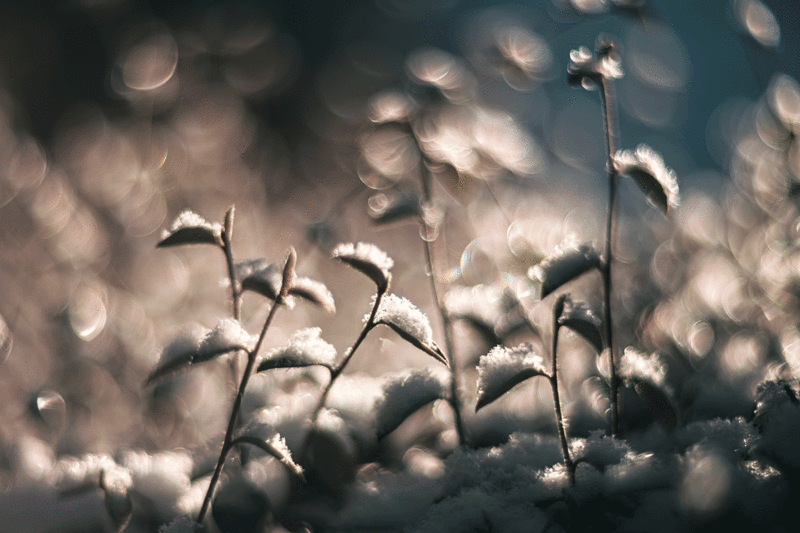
point(227, 442)
point(610, 128)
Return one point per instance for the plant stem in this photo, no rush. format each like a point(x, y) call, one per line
point(553, 379)
point(610, 128)
point(336, 372)
point(447, 325)
point(227, 442)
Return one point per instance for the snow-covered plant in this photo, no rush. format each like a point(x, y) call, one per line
point(645, 166)
point(230, 336)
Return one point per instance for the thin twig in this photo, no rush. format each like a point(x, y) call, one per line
point(553, 379)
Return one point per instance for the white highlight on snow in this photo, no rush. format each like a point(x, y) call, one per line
point(636, 365)
point(190, 219)
point(306, 347)
point(227, 334)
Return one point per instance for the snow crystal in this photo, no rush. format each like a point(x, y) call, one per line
point(161, 478)
point(399, 312)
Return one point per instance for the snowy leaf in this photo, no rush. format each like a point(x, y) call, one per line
point(227, 336)
point(239, 505)
point(313, 291)
point(648, 170)
point(117, 501)
point(265, 436)
point(658, 403)
point(503, 368)
point(264, 278)
point(179, 353)
point(191, 228)
point(199, 345)
point(578, 317)
point(410, 323)
point(259, 276)
point(367, 259)
point(584, 67)
point(305, 348)
point(636, 366)
point(569, 262)
point(6, 340)
point(289, 274)
point(384, 209)
point(404, 395)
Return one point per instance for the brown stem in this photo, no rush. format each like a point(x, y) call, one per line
point(237, 402)
point(447, 325)
point(610, 129)
point(553, 379)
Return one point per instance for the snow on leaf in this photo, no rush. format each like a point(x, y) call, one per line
point(367, 259)
point(179, 353)
point(315, 292)
point(264, 278)
point(647, 168)
point(227, 336)
point(191, 228)
point(404, 395)
point(267, 438)
point(410, 323)
point(578, 317)
point(570, 261)
point(305, 348)
point(503, 368)
point(636, 366)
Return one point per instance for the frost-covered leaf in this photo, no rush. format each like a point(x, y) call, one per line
point(410, 323)
point(578, 317)
point(191, 228)
point(240, 506)
point(314, 291)
point(503, 368)
point(267, 438)
point(404, 395)
point(384, 209)
point(227, 336)
point(199, 345)
point(570, 261)
point(636, 366)
point(648, 170)
point(264, 278)
point(6, 340)
point(117, 501)
point(305, 348)
point(658, 403)
point(367, 259)
point(585, 67)
point(179, 353)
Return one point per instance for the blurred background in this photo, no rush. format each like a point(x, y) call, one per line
point(116, 115)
